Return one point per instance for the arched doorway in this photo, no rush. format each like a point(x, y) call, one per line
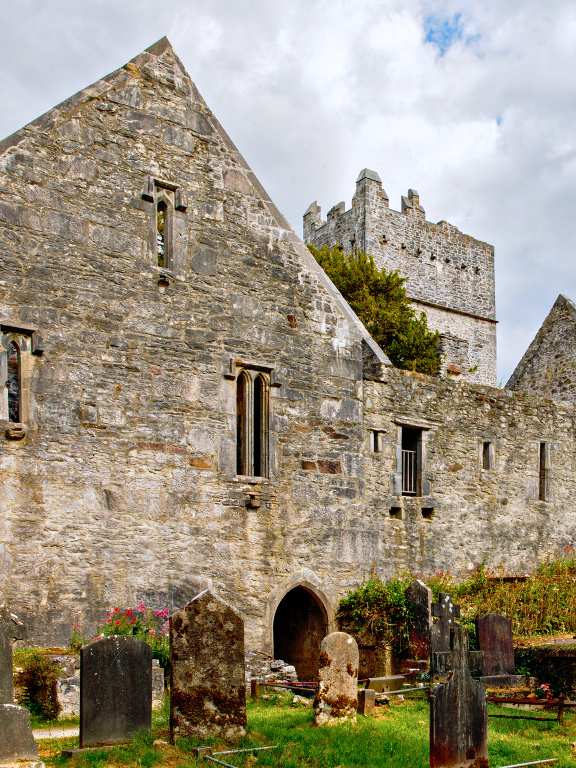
point(300, 623)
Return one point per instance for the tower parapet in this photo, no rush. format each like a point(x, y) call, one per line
point(449, 275)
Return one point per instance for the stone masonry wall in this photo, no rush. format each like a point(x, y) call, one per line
point(449, 275)
point(471, 515)
point(124, 487)
point(548, 367)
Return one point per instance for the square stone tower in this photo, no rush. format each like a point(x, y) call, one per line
point(449, 275)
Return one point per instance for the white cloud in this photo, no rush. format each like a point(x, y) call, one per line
point(312, 91)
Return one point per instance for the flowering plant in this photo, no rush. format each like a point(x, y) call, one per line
point(544, 691)
point(142, 622)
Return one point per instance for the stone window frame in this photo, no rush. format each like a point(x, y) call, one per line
point(376, 440)
point(426, 428)
point(29, 344)
point(544, 448)
point(158, 190)
point(251, 372)
point(487, 455)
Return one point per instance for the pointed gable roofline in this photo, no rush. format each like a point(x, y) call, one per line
point(158, 49)
point(562, 303)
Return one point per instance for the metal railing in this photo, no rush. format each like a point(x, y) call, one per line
point(409, 473)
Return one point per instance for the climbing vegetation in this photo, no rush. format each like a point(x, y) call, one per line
point(379, 299)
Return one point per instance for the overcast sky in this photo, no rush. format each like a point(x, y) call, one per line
point(472, 103)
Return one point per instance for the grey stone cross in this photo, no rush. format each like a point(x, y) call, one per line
point(11, 628)
point(445, 611)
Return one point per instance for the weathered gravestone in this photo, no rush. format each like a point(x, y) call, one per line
point(337, 696)
point(458, 714)
point(440, 635)
point(16, 740)
point(207, 685)
point(420, 598)
point(366, 701)
point(115, 690)
point(495, 640)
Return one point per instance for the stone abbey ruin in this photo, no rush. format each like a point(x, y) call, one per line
point(190, 404)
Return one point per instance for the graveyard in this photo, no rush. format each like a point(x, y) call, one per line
point(455, 696)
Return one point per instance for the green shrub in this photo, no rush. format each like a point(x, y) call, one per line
point(378, 612)
point(379, 299)
point(37, 684)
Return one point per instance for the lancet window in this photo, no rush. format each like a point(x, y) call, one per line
point(252, 423)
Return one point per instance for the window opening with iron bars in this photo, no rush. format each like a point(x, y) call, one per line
point(411, 461)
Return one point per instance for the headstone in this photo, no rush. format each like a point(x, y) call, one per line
point(157, 683)
point(420, 598)
point(11, 628)
point(16, 739)
point(337, 696)
point(458, 714)
point(115, 690)
point(440, 636)
point(366, 701)
point(495, 640)
point(207, 685)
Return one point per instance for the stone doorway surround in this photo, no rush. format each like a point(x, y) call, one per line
point(299, 602)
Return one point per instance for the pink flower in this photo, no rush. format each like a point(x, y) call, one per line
point(141, 608)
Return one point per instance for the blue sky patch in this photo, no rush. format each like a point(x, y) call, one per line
point(444, 31)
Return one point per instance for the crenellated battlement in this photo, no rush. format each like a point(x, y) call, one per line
point(449, 275)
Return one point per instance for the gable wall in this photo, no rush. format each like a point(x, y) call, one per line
point(124, 487)
point(548, 368)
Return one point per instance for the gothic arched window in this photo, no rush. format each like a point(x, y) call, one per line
point(14, 383)
point(252, 419)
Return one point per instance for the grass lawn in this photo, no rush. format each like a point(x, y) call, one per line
point(396, 737)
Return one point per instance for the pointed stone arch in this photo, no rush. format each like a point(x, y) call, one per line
point(301, 614)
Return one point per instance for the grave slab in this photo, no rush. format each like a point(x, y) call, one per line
point(16, 739)
point(420, 598)
point(207, 683)
point(11, 628)
point(366, 701)
point(495, 640)
point(337, 697)
point(115, 690)
point(458, 714)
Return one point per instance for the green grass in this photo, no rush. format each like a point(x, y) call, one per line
point(395, 738)
point(72, 721)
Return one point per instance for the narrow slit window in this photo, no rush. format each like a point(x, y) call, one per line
point(543, 472)
point(14, 384)
point(487, 456)
point(376, 441)
point(161, 233)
